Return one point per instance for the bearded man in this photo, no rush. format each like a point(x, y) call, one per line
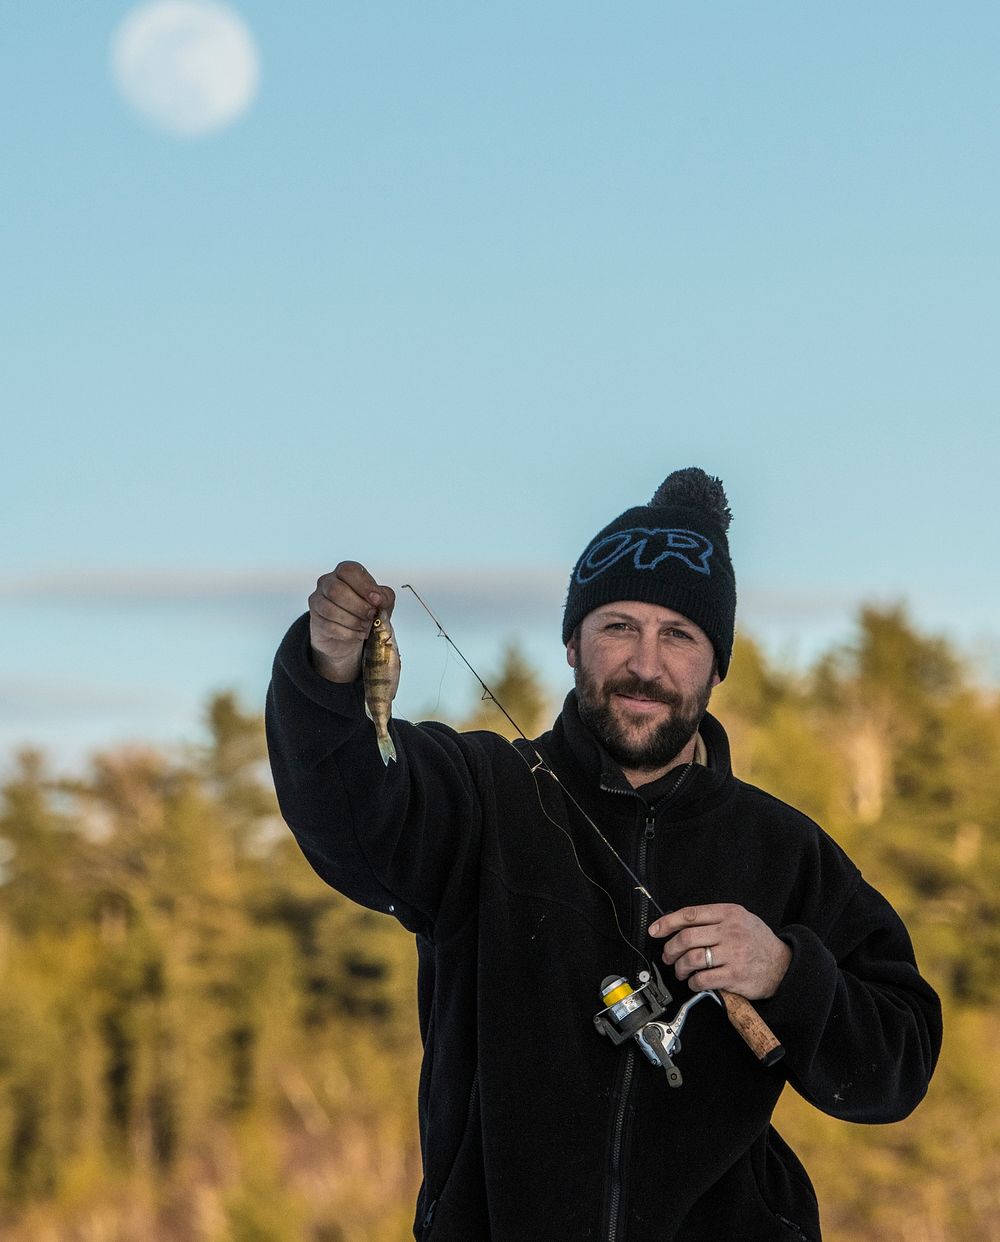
point(526, 874)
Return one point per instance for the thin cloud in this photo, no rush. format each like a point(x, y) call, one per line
point(168, 586)
point(473, 592)
point(531, 593)
point(788, 605)
point(37, 700)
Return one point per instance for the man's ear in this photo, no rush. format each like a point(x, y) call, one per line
point(571, 652)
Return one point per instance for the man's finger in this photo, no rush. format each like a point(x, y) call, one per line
point(687, 916)
point(693, 962)
point(350, 586)
point(341, 607)
point(356, 576)
point(359, 580)
point(688, 940)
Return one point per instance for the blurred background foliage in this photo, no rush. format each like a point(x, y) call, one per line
point(200, 1042)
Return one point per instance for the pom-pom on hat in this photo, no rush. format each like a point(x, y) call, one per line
point(673, 552)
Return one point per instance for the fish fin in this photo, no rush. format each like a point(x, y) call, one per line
point(368, 712)
point(386, 749)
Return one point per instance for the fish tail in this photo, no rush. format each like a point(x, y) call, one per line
point(386, 749)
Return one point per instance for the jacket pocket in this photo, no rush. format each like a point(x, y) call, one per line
point(456, 1208)
point(793, 1228)
point(785, 1188)
point(753, 1202)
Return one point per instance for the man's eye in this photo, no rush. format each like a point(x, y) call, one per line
point(679, 634)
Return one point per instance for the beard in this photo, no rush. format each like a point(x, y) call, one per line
point(638, 746)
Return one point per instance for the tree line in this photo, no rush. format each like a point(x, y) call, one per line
point(201, 1042)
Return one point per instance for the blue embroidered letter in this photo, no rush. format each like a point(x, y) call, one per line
point(648, 549)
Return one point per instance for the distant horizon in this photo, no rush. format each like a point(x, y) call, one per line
point(219, 632)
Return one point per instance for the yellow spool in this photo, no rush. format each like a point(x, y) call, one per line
point(617, 994)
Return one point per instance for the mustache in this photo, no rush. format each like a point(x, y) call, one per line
point(643, 689)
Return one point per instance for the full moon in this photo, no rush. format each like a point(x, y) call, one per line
point(190, 66)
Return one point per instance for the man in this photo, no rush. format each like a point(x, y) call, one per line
point(521, 890)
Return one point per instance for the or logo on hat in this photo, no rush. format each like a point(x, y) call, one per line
point(648, 548)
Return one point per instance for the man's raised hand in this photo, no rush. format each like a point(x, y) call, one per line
point(341, 611)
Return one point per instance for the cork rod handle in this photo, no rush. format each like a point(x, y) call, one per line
point(760, 1039)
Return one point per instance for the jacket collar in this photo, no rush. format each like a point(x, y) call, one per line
point(704, 786)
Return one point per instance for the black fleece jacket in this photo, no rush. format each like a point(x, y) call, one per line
point(533, 1126)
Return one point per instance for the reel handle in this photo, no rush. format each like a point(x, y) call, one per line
point(759, 1037)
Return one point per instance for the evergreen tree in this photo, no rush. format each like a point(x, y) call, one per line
point(199, 1042)
point(516, 687)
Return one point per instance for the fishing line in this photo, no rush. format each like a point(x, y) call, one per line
point(542, 766)
point(539, 766)
point(446, 664)
point(432, 710)
point(488, 695)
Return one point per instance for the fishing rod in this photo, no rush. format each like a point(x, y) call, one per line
point(541, 766)
point(744, 1017)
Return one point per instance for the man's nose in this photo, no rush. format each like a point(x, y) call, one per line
point(644, 658)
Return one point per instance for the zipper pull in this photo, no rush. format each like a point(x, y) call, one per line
point(650, 826)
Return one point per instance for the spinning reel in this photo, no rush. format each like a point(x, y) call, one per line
point(633, 1014)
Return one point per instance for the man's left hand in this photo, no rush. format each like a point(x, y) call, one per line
point(746, 956)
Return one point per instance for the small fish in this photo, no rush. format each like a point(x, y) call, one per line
point(380, 674)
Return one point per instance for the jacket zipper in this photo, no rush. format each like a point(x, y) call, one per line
point(616, 1145)
point(647, 836)
point(618, 1134)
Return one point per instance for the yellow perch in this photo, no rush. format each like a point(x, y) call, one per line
point(380, 673)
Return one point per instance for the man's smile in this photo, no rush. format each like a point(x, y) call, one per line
point(639, 697)
point(639, 702)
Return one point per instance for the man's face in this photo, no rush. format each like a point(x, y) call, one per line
point(644, 675)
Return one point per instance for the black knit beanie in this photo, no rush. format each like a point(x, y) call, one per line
point(673, 552)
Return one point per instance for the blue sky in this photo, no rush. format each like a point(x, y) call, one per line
point(463, 283)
